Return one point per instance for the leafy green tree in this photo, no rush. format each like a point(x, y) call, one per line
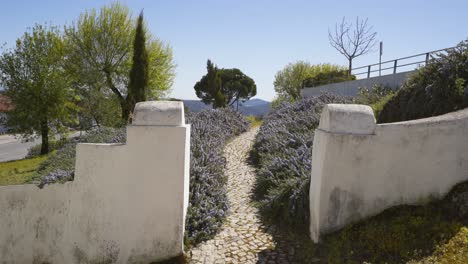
point(100, 52)
point(209, 87)
point(289, 81)
point(97, 109)
point(139, 71)
point(224, 87)
point(34, 79)
point(237, 86)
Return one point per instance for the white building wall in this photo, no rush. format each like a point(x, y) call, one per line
point(127, 203)
point(360, 168)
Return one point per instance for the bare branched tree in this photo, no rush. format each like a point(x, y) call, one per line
point(353, 40)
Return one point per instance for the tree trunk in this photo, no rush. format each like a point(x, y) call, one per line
point(125, 113)
point(124, 103)
point(350, 67)
point(44, 137)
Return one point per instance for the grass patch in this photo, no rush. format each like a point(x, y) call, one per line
point(454, 251)
point(20, 171)
point(254, 121)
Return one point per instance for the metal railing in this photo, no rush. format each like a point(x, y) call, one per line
point(422, 58)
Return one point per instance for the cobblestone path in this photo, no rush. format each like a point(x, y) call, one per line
point(243, 238)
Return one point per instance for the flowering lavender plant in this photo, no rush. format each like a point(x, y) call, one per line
point(283, 154)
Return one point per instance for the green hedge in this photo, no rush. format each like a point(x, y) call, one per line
point(437, 88)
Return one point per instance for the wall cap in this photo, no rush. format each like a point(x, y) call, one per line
point(347, 119)
point(159, 113)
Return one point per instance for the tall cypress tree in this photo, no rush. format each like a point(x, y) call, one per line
point(209, 88)
point(139, 72)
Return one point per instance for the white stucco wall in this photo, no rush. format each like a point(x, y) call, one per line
point(127, 203)
point(360, 168)
point(351, 88)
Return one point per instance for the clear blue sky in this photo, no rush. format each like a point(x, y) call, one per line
point(261, 37)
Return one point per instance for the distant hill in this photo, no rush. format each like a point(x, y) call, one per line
point(256, 107)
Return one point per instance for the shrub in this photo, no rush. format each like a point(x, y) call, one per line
point(35, 150)
point(373, 95)
point(283, 154)
point(379, 105)
point(334, 76)
point(437, 88)
point(376, 97)
point(208, 202)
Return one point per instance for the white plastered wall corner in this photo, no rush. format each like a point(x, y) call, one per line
point(127, 203)
point(360, 169)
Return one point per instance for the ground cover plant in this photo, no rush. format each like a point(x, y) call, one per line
point(19, 171)
point(282, 152)
point(208, 203)
point(436, 232)
point(439, 87)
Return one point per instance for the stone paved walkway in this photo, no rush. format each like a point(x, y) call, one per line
point(243, 238)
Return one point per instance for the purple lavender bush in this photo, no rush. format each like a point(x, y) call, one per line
point(282, 152)
point(208, 204)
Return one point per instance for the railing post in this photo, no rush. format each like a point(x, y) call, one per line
point(427, 57)
point(368, 71)
point(395, 66)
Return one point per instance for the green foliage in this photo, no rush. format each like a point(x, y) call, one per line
point(322, 78)
point(34, 79)
point(237, 86)
point(454, 251)
point(437, 88)
point(19, 171)
point(290, 80)
point(379, 105)
point(376, 97)
point(209, 88)
point(35, 151)
point(139, 71)
point(373, 95)
point(254, 121)
point(100, 49)
point(98, 109)
point(223, 87)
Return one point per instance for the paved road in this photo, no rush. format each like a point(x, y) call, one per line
point(13, 149)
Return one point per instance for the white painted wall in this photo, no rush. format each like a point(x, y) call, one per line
point(351, 88)
point(127, 203)
point(360, 168)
